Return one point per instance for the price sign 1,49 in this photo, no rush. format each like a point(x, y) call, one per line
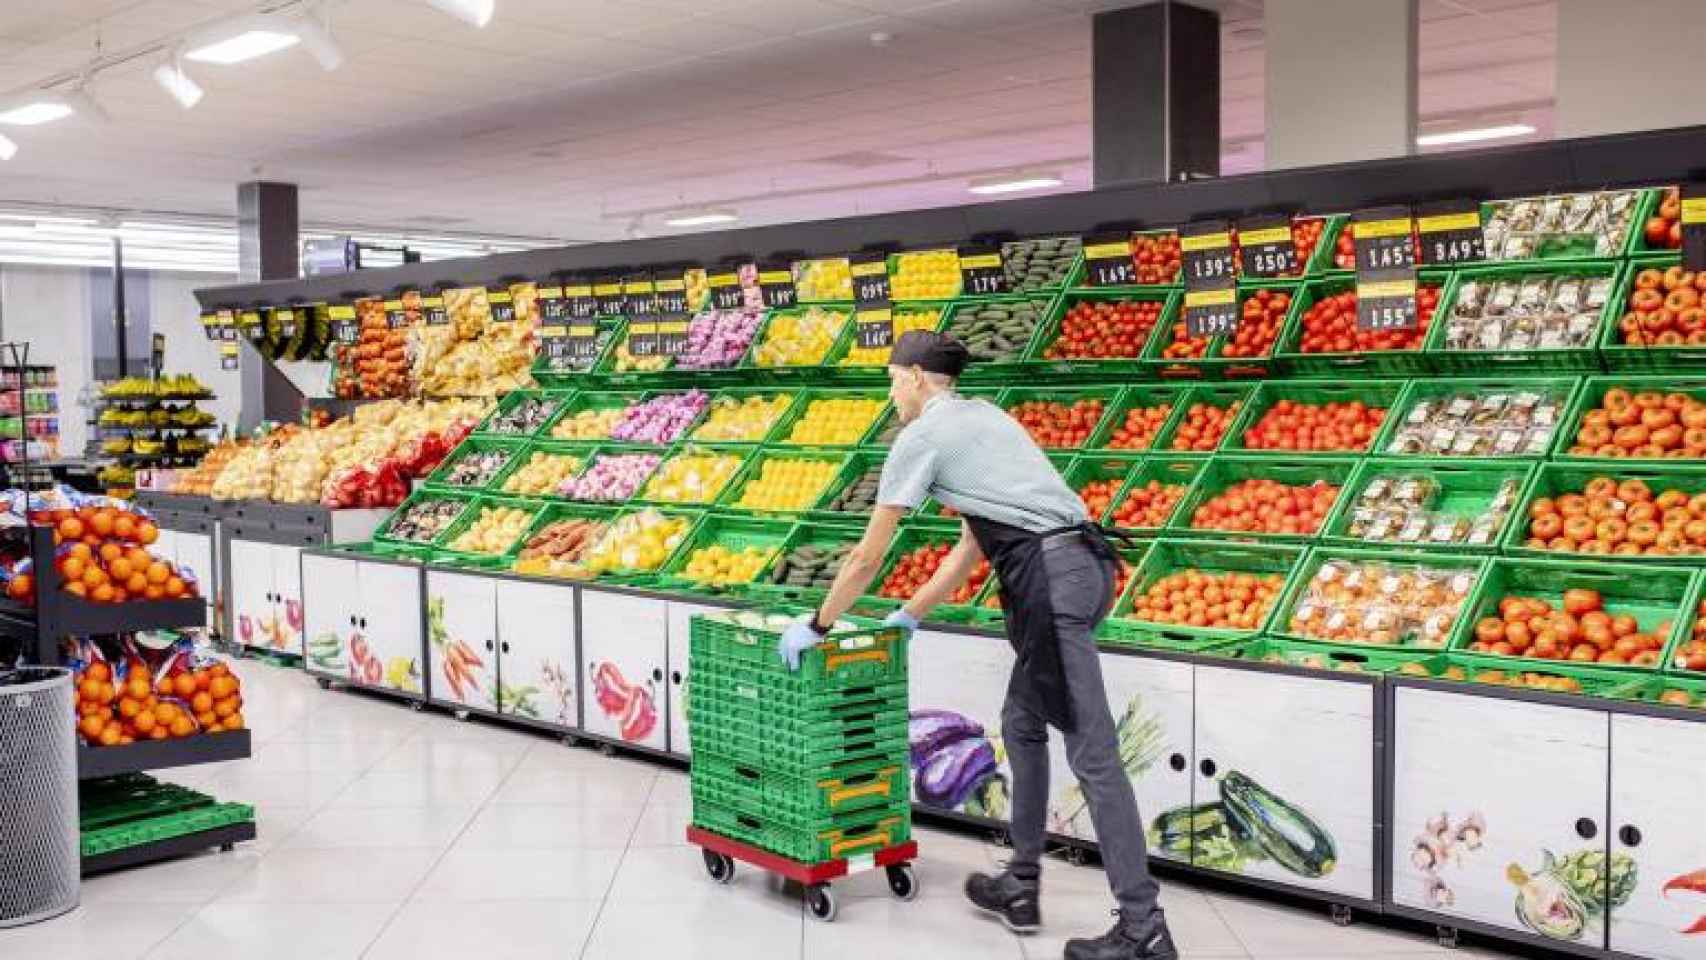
point(1107, 260)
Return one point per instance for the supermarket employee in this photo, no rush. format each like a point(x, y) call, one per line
point(1056, 572)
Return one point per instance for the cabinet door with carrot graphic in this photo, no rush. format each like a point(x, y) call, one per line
point(462, 630)
point(623, 652)
point(1656, 871)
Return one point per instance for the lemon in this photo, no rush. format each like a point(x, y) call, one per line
point(788, 484)
point(747, 420)
point(800, 339)
point(836, 420)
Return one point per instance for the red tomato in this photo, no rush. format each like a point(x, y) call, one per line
point(1156, 257)
point(1203, 427)
point(1149, 505)
point(1104, 329)
point(1140, 427)
point(1259, 505)
point(1053, 424)
point(1288, 425)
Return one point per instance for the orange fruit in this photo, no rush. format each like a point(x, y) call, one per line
point(183, 685)
point(203, 679)
point(154, 592)
point(225, 707)
point(183, 726)
point(110, 735)
point(71, 528)
point(103, 594)
point(91, 725)
point(80, 550)
point(175, 587)
point(207, 720)
point(110, 551)
point(129, 707)
point(120, 595)
point(101, 521)
point(222, 687)
point(219, 669)
point(117, 566)
point(100, 671)
point(159, 733)
point(158, 572)
point(164, 713)
point(136, 583)
point(144, 723)
point(147, 532)
point(139, 558)
point(125, 527)
point(76, 588)
point(94, 577)
point(71, 566)
point(234, 722)
point(201, 702)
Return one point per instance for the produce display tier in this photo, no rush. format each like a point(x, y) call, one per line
point(95, 762)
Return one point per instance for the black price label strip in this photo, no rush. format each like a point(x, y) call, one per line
point(726, 291)
point(253, 326)
point(1451, 233)
point(1693, 218)
point(671, 295)
point(672, 335)
point(981, 271)
point(873, 326)
point(345, 327)
point(502, 304)
point(395, 315)
point(579, 299)
point(433, 312)
point(1386, 304)
point(1205, 252)
point(870, 278)
point(212, 325)
point(608, 294)
point(1267, 247)
point(776, 283)
point(1384, 243)
point(1211, 313)
point(228, 356)
point(1107, 260)
point(285, 317)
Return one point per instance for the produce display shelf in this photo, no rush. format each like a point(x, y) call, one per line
point(223, 837)
point(1373, 394)
point(1049, 331)
point(1552, 480)
point(1410, 562)
point(1224, 470)
point(1463, 490)
point(1170, 556)
point(96, 762)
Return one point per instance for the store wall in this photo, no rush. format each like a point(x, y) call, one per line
point(1313, 115)
point(176, 314)
point(1631, 65)
point(49, 307)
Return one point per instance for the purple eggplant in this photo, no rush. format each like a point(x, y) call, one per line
point(951, 773)
point(931, 730)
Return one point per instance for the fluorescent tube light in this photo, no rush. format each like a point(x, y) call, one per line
point(8, 149)
point(703, 218)
point(475, 13)
point(249, 37)
point(183, 88)
point(244, 46)
point(1014, 184)
point(34, 112)
point(1475, 135)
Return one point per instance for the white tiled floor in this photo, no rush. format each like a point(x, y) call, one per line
point(388, 833)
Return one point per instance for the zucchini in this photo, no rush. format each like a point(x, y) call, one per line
point(1285, 833)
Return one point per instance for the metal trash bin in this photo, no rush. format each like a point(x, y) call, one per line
point(39, 853)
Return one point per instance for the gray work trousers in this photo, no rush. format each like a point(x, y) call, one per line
point(1080, 589)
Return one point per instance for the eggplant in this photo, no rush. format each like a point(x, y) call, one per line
point(931, 730)
point(952, 772)
point(1286, 834)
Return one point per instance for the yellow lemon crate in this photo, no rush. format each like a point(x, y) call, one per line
point(832, 418)
point(728, 552)
point(785, 480)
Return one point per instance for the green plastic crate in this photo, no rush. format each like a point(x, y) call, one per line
point(1091, 468)
point(1555, 392)
point(1410, 561)
point(558, 510)
point(579, 450)
point(729, 692)
point(611, 449)
point(1464, 490)
point(609, 358)
point(137, 833)
point(438, 479)
point(1354, 363)
point(1564, 246)
point(444, 553)
point(609, 328)
point(1376, 394)
point(1107, 393)
point(133, 796)
point(1049, 332)
point(860, 654)
point(1224, 470)
point(636, 576)
point(841, 787)
point(836, 361)
point(960, 320)
point(740, 452)
point(1669, 689)
point(1619, 356)
point(1649, 593)
point(1557, 479)
point(1653, 196)
point(1471, 669)
point(586, 400)
point(509, 401)
point(812, 534)
point(1519, 360)
point(793, 372)
point(1165, 470)
point(947, 293)
point(1214, 364)
point(914, 534)
point(734, 532)
point(383, 534)
point(739, 395)
point(1592, 397)
point(858, 464)
point(1145, 395)
point(1169, 556)
point(850, 834)
point(1378, 660)
point(782, 435)
point(754, 469)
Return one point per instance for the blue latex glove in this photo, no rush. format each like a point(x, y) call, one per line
point(798, 638)
point(900, 618)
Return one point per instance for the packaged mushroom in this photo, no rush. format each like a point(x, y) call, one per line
point(1380, 604)
point(1479, 424)
point(1541, 311)
point(1406, 509)
point(1586, 224)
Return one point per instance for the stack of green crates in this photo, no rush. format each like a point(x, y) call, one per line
point(809, 764)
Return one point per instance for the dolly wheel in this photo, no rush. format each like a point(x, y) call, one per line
point(820, 900)
point(903, 883)
point(720, 866)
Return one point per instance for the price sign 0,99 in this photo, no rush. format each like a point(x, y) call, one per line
point(1386, 305)
point(1449, 233)
point(776, 282)
point(873, 326)
point(981, 271)
point(1693, 222)
point(726, 291)
point(1107, 260)
point(1266, 246)
point(870, 272)
point(345, 327)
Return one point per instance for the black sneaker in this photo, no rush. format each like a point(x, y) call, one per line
point(1014, 900)
point(1145, 939)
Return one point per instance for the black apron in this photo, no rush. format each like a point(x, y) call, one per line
point(1016, 557)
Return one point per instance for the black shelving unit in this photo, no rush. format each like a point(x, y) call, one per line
point(225, 838)
point(96, 762)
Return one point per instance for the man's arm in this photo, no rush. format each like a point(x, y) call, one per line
point(861, 565)
point(955, 568)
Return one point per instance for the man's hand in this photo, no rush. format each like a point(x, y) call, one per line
point(798, 638)
point(900, 618)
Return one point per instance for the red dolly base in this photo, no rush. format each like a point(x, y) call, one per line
point(721, 853)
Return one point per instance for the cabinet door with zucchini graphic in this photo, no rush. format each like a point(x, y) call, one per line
point(331, 594)
point(1498, 812)
point(462, 628)
point(1657, 866)
point(623, 650)
point(1284, 779)
point(537, 649)
point(1151, 704)
point(957, 684)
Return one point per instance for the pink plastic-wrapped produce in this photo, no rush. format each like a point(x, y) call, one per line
point(613, 476)
point(717, 339)
point(662, 419)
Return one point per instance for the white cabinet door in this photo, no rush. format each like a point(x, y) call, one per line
point(1656, 762)
point(1290, 760)
point(462, 634)
point(194, 552)
point(331, 596)
point(1485, 790)
point(623, 647)
point(536, 659)
point(165, 545)
point(680, 646)
point(1151, 704)
point(390, 621)
point(957, 684)
point(287, 596)
point(252, 611)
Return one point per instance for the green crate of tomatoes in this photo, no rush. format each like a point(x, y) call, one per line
point(1060, 418)
point(1262, 497)
point(1098, 479)
point(1104, 329)
point(1248, 352)
point(1153, 493)
point(1635, 512)
point(1307, 418)
point(1656, 320)
point(1322, 339)
point(1193, 595)
point(1623, 418)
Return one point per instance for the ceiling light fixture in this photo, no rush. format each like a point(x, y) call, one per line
point(702, 218)
point(8, 149)
point(255, 36)
point(1015, 183)
point(45, 106)
point(475, 13)
point(1475, 135)
point(182, 87)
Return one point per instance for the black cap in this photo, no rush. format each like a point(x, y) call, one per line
point(933, 352)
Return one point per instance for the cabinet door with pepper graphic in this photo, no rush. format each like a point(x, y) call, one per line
point(1657, 866)
point(623, 650)
point(462, 627)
